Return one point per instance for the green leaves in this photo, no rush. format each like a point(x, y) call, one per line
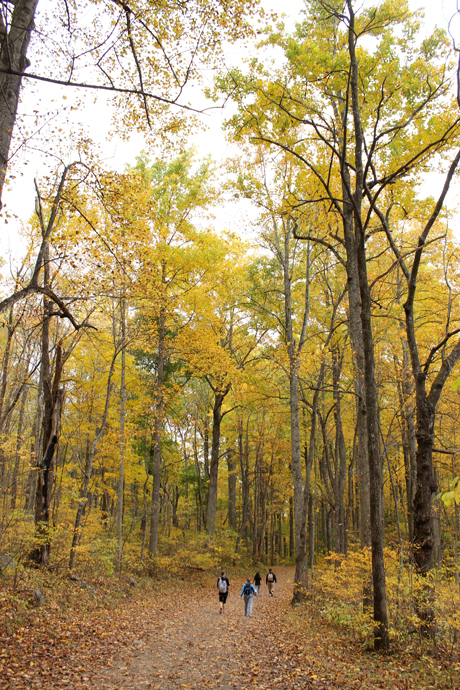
point(453, 494)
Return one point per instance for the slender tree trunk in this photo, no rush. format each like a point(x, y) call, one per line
point(19, 442)
point(231, 466)
point(294, 352)
point(244, 468)
point(206, 447)
point(156, 450)
point(341, 457)
point(121, 467)
point(84, 490)
point(201, 521)
point(5, 371)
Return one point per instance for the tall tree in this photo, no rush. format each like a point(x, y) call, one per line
point(340, 110)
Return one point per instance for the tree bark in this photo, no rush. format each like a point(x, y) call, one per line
point(231, 467)
point(156, 449)
point(53, 400)
point(381, 635)
point(217, 415)
point(14, 42)
point(121, 467)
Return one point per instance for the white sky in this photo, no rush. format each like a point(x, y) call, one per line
point(95, 117)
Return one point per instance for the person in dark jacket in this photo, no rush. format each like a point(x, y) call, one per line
point(257, 581)
point(270, 580)
point(222, 587)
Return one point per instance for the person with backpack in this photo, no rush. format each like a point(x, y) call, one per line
point(257, 581)
point(248, 592)
point(270, 581)
point(222, 587)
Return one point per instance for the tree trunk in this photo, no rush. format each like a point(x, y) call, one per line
point(243, 451)
point(156, 450)
point(19, 442)
point(53, 398)
point(14, 43)
point(231, 466)
point(84, 490)
point(217, 415)
point(201, 520)
point(121, 467)
point(381, 636)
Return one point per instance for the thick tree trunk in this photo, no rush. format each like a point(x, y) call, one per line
point(381, 635)
point(356, 337)
point(426, 485)
point(219, 397)
point(14, 42)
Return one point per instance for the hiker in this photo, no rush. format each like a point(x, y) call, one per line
point(270, 581)
point(222, 587)
point(257, 581)
point(248, 591)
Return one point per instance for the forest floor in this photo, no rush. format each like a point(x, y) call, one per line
point(174, 637)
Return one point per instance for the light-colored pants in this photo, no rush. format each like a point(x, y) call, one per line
point(257, 588)
point(248, 599)
point(271, 587)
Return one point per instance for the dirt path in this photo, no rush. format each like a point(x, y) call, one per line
point(194, 646)
point(163, 641)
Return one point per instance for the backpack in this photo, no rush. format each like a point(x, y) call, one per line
point(222, 586)
point(270, 577)
point(247, 591)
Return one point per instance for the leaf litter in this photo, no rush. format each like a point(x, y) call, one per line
point(174, 637)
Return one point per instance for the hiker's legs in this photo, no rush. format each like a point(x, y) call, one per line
point(251, 599)
point(270, 588)
point(222, 600)
point(246, 603)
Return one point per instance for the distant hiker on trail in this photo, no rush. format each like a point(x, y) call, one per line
point(248, 591)
point(257, 581)
point(222, 587)
point(270, 581)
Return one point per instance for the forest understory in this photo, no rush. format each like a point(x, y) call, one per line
point(115, 633)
